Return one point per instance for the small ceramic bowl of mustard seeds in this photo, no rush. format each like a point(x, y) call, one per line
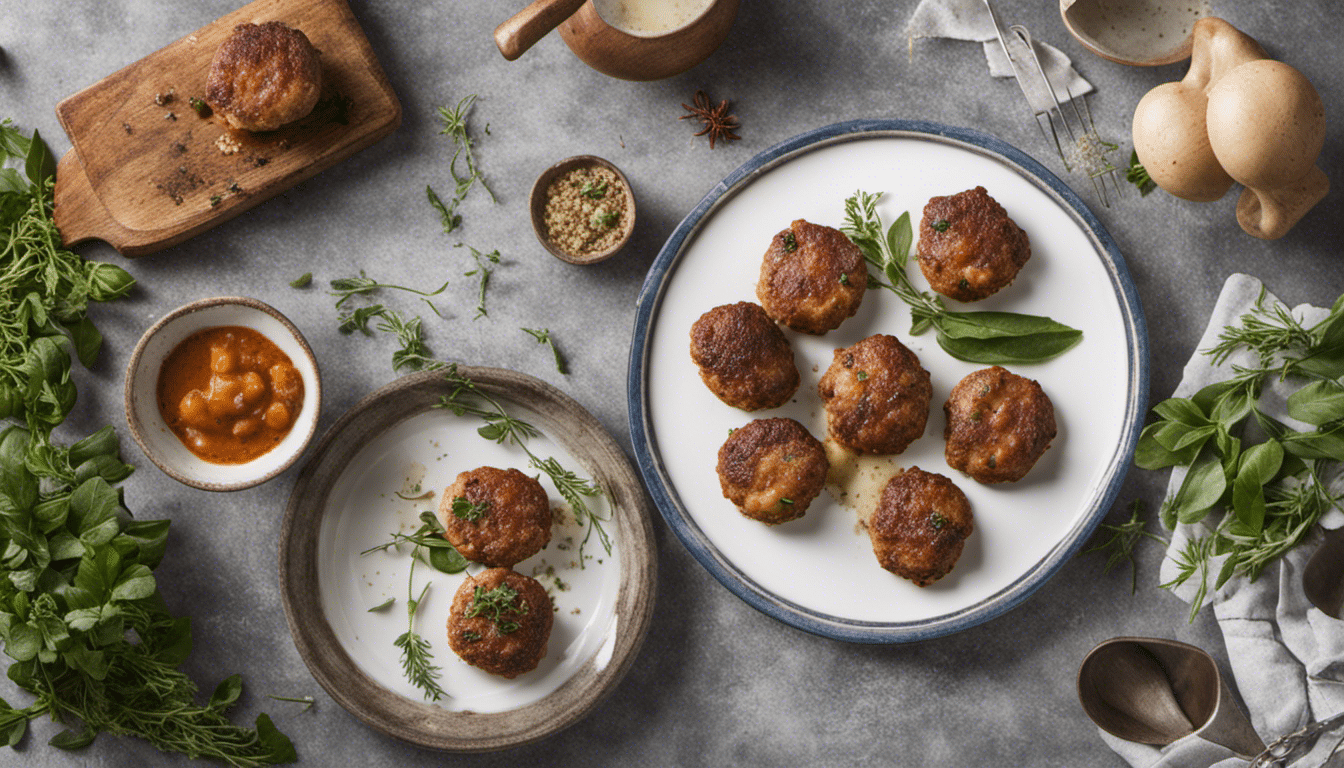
point(582, 209)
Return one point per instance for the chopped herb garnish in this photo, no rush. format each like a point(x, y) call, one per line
point(937, 520)
point(941, 225)
point(198, 104)
point(455, 127)
point(594, 191)
point(603, 218)
point(482, 273)
point(466, 510)
point(471, 637)
point(786, 501)
point(790, 242)
point(975, 415)
point(844, 278)
point(861, 375)
point(383, 605)
point(215, 200)
point(1138, 175)
point(493, 604)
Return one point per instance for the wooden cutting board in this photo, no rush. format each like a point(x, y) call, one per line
point(145, 175)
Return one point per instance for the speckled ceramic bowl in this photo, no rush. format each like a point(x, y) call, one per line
point(537, 205)
point(1141, 33)
point(152, 432)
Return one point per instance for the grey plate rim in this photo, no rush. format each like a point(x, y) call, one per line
point(564, 420)
point(694, 539)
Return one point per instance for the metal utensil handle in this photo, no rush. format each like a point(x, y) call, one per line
point(1298, 743)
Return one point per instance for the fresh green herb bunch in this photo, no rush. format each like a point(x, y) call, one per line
point(1271, 492)
point(455, 127)
point(1138, 175)
point(502, 428)
point(990, 338)
point(76, 572)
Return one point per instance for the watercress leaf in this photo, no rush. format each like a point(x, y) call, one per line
point(39, 164)
point(173, 645)
point(71, 739)
point(50, 514)
point(82, 619)
point(447, 560)
point(1012, 350)
point(226, 693)
point(13, 724)
point(993, 325)
point(135, 582)
point(18, 484)
point(91, 662)
point(279, 748)
point(63, 546)
point(23, 642)
point(1317, 403)
point(108, 281)
point(98, 572)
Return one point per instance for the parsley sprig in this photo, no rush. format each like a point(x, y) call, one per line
point(502, 428)
point(989, 338)
point(1271, 491)
point(495, 604)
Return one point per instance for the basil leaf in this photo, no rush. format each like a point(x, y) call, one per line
point(280, 749)
point(899, 236)
point(1315, 445)
point(69, 739)
point(39, 164)
point(101, 443)
point(1151, 453)
point(108, 281)
point(134, 583)
point(1009, 351)
point(1317, 403)
point(1203, 486)
point(1181, 410)
point(993, 325)
point(447, 560)
point(226, 693)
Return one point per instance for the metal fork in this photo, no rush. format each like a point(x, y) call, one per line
point(1070, 116)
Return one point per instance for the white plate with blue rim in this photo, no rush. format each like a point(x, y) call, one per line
point(818, 573)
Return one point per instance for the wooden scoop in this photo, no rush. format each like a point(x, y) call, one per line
point(147, 171)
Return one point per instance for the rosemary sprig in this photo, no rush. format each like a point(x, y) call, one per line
point(543, 336)
point(1124, 536)
point(417, 661)
point(482, 273)
point(502, 428)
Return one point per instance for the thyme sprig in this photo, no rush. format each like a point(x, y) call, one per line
point(502, 428)
point(343, 288)
point(413, 353)
point(1119, 548)
point(455, 127)
point(1270, 492)
point(543, 336)
point(482, 273)
point(979, 337)
point(417, 661)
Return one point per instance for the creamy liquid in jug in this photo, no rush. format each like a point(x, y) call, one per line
point(648, 18)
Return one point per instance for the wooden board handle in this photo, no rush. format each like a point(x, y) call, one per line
point(79, 214)
point(522, 30)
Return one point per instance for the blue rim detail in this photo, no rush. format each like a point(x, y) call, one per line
point(645, 445)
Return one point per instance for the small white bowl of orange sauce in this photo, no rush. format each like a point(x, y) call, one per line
point(223, 394)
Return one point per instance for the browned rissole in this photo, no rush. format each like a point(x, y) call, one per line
point(877, 396)
point(998, 425)
point(812, 278)
point(743, 357)
point(264, 76)
point(968, 247)
point(921, 523)
point(512, 643)
point(514, 524)
point(772, 469)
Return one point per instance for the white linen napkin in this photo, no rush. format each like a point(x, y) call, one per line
point(970, 20)
point(1287, 656)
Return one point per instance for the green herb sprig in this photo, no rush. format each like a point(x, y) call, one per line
point(543, 336)
point(482, 274)
point(344, 288)
point(417, 661)
point(494, 604)
point(1137, 175)
point(1271, 491)
point(990, 338)
point(502, 428)
point(76, 571)
point(1119, 547)
point(455, 127)
point(413, 353)
point(465, 510)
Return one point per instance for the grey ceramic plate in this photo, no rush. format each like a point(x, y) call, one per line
point(327, 598)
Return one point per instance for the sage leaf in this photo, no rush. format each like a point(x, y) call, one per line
point(1009, 350)
point(995, 325)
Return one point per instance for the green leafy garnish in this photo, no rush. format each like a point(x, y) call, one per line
point(1138, 175)
point(465, 510)
point(1119, 548)
point(543, 336)
point(344, 288)
point(413, 354)
point(383, 605)
point(502, 428)
point(941, 225)
point(790, 242)
point(482, 273)
point(302, 281)
point(991, 338)
point(494, 604)
point(82, 620)
point(594, 191)
point(602, 218)
point(937, 520)
point(198, 104)
point(455, 127)
point(1271, 492)
point(417, 661)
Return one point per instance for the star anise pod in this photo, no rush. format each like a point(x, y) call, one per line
point(718, 123)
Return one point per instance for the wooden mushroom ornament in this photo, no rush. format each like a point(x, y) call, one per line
point(1237, 116)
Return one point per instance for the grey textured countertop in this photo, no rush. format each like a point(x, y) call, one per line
point(716, 682)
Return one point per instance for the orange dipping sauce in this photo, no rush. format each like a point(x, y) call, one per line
point(229, 394)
